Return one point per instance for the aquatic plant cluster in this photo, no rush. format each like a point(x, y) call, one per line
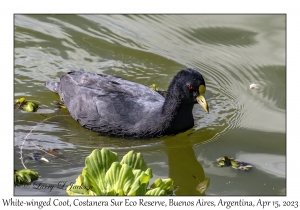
point(104, 174)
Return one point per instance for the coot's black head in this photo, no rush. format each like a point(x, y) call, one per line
point(189, 86)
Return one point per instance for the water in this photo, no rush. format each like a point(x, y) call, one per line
point(231, 51)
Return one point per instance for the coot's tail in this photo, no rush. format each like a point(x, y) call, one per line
point(53, 86)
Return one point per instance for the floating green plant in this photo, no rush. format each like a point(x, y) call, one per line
point(227, 161)
point(103, 174)
point(27, 106)
point(24, 177)
point(154, 87)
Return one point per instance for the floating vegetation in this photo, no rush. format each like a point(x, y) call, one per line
point(27, 106)
point(103, 174)
point(24, 177)
point(227, 161)
point(155, 88)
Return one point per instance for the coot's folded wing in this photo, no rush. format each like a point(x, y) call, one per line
point(108, 104)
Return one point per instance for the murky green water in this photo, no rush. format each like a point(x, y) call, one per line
point(231, 51)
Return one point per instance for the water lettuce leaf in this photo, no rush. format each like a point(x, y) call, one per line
point(103, 174)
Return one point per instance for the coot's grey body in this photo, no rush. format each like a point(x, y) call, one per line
point(115, 106)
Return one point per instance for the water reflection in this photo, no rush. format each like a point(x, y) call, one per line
point(185, 169)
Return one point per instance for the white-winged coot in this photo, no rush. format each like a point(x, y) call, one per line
point(115, 106)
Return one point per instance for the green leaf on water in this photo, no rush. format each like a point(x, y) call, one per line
point(103, 174)
point(24, 177)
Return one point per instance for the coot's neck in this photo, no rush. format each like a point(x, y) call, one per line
point(176, 112)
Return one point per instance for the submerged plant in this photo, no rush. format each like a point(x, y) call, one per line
point(103, 174)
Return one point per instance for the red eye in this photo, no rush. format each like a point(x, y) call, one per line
point(190, 87)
